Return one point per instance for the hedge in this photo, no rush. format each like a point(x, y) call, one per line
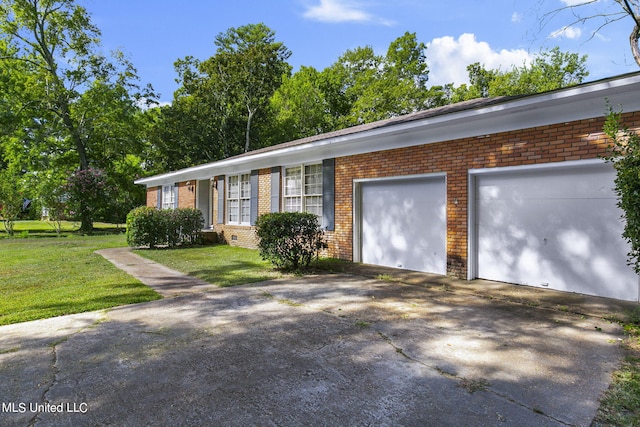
point(289, 240)
point(151, 227)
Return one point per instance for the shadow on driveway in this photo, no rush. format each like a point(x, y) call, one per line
point(318, 350)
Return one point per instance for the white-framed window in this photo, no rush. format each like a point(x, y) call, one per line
point(239, 199)
point(303, 189)
point(168, 197)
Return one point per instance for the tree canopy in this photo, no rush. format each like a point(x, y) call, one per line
point(551, 69)
point(69, 113)
point(66, 106)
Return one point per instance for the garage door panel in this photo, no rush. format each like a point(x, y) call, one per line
point(404, 224)
point(554, 228)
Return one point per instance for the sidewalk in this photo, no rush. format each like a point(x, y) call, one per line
point(166, 281)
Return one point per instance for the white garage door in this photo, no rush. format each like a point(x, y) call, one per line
point(404, 223)
point(558, 228)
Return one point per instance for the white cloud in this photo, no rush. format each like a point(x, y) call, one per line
point(516, 17)
point(335, 11)
point(448, 58)
point(567, 32)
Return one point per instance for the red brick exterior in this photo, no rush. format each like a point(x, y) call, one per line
point(545, 144)
point(152, 196)
point(187, 194)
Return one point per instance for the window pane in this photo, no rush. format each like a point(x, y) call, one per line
point(293, 204)
point(233, 215)
point(313, 180)
point(245, 211)
point(313, 204)
point(233, 188)
point(245, 186)
point(167, 197)
point(293, 181)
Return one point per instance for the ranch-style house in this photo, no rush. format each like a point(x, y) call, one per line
point(511, 189)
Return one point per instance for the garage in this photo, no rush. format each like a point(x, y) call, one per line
point(402, 222)
point(556, 226)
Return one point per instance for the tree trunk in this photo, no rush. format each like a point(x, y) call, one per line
point(64, 111)
point(633, 41)
point(247, 139)
point(86, 219)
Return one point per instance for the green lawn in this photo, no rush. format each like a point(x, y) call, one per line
point(47, 228)
point(47, 277)
point(220, 265)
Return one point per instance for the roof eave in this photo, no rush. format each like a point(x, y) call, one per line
point(564, 105)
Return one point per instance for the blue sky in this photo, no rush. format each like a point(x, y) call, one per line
point(496, 33)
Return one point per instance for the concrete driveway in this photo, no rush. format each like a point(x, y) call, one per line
point(317, 350)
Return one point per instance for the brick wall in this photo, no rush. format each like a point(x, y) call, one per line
point(152, 196)
point(554, 143)
point(187, 194)
point(545, 144)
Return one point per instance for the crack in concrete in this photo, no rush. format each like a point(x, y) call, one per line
point(482, 384)
point(54, 364)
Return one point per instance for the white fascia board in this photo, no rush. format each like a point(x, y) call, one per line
point(561, 106)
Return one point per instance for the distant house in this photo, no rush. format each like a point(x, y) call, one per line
point(510, 189)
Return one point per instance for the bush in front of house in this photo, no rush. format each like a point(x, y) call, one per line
point(184, 226)
point(151, 227)
point(290, 240)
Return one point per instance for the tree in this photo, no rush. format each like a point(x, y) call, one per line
point(11, 199)
point(248, 65)
point(301, 106)
point(595, 10)
point(72, 104)
point(222, 106)
point(53, 197)
point(551, 69)
point(625, 156)
point(362, 86)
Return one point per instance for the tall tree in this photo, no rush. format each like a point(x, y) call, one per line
point(551, 69)
point(301, 106)
point(364, 86)
point(249, 64)
point(62, 83)
point(222, 106)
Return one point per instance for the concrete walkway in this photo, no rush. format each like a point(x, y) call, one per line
point(166, 281)
point(319, 350)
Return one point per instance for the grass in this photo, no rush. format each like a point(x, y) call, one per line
point(32, 228)
point(620, 405)
point(47, 277)
point(221, 265)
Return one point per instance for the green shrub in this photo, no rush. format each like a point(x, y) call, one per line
point(183, 226)
point(289, 240)
point(151, 227)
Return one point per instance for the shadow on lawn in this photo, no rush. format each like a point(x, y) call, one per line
point(236, 273)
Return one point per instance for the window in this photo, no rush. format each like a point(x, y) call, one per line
point(168, 197)
point(239, 199)
point(303, 189)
